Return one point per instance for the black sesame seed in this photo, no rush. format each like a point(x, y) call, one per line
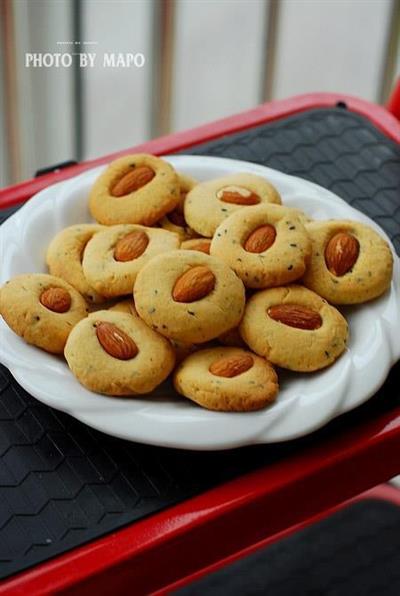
point(190, 312)
point(290, 267)
point(327, 354)
point(293, 245)
point(292, 227)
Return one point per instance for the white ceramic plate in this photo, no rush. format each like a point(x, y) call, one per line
point(306, 401)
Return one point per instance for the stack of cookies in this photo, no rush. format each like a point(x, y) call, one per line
point(216, 282)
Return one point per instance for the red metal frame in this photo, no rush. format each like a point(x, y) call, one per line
point(181, 540)
point(394, 101)
point(383, 492)
point(188, 537)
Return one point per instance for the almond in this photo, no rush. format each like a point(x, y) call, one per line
point(132, 180)
point(177, 218)
point(56, 299)
point(341, 253)
point(261, 239)
point(115, 341)
point(295, 315)
point(231, 366)
point(131, 246)
point(238, 195)
point(194, 284)
point(201, 246)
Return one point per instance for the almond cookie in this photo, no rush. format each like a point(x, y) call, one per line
point(114, 257)
point(117, 354)
point(175, 220)
point(42, 309)
point(189, 296)
point(294, 328)
point(232, 338)
point(227, 379)
point(266, 245)
point(134, 189)
point(64, 257)
point(126, 306)
point(200, 244)
point(209, 203)
point(182, 349)
point(351, 263)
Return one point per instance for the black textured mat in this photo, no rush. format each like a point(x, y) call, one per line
point(63, 484)
point(355, 551)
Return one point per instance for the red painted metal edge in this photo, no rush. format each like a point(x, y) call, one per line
point(181, 540)
point(274, 110)
point(394, 101)
point(383, 492)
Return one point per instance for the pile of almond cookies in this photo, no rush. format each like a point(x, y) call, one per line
point(214, 282)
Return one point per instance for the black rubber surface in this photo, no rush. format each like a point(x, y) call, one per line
point(355, 551)
point(63, 484)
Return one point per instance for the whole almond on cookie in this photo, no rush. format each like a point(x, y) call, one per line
point(231, 366)
point(295, 315)
point(132, 180)
point(194, 284)
point(131, 246)
point(238, 195)
point(261, 239)
point(115, 341)
point(341, 253)
point(56, 299)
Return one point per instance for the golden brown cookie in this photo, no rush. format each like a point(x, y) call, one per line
point(42, 309)
point(265, 245)
point(227, 379)
point(200, 244)
point(232, 338)
point(114, 257)
point(175, 221)
point(64, 257)
point(182, 349)
point(117, 354)
point(134, 189)
point(351, 263)
point(294, 328)
point(189, 296)
point(126, 306)
point(209, 203)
